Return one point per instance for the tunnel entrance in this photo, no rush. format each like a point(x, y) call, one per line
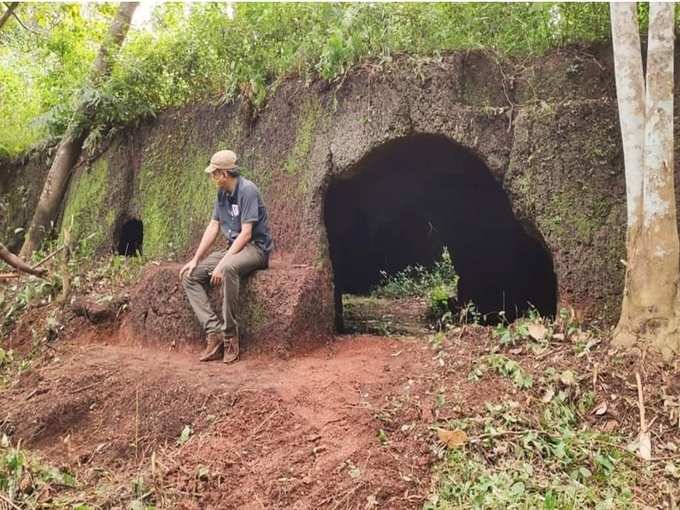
point(131, 238)
point(410, 198)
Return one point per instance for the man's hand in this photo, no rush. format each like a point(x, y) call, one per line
point(187, 268)
point(40, 272)
point(217, 275)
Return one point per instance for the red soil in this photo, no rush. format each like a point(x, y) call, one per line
point(267, 432)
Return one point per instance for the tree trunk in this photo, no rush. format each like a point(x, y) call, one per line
point(5, 15)
point(650, 308)
point(630, 94)
point(659, 223)
point(72, 141)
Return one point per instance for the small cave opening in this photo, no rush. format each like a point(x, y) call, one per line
point(131, 238)
point(411, 197)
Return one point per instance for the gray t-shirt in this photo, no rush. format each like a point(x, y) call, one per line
point(244, 205)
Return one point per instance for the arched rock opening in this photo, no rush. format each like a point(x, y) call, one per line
point(411, 197)
point(131, 238)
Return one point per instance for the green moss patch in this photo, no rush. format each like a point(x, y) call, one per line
point(575, 212)
point(88, 213)
point(175, 200)
point(304, 137)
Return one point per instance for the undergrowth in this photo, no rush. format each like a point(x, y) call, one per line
point(28, 483)
point(536, 447)
point(438, 284)
point(517, 461)
point(99, 278)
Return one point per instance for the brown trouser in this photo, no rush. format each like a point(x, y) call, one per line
point(236, 266)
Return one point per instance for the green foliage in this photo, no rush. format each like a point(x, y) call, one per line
point(15, 298)
point(439, 299)
point(531, 329)
point(187, 431)
point(191, 52)
point(544, 455)
point(502, 366)
point(43, 68)
point(419, 281)
point(558, 463)
point(24, 478)
point(438, 284)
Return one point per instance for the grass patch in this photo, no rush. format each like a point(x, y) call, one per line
point(438, 284)
point(563, 437)
point(548, 460)
point(27, 482)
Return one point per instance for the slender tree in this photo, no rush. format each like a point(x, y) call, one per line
point(71, 144)
point(650, 310)
point(5, 15)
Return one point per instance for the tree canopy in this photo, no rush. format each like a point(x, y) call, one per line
point(192, 52)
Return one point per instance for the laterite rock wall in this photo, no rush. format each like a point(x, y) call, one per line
point(546, 129)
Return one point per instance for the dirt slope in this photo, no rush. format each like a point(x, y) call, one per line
point(272, 433)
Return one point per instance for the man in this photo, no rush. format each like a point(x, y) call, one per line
point(240, 212)
point(19, 264)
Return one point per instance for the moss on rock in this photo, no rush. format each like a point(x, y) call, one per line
point(175, 199)
point(88, 213)
point(577, 213)
point(304, 137)
point(566, 178)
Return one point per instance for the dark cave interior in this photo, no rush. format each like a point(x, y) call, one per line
point(131, 238)
point(411, 197)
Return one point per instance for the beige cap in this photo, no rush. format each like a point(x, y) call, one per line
point(222, 160)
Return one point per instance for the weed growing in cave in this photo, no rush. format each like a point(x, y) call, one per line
point(438, 284)
point(420, 281)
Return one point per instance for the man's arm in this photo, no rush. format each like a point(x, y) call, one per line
point(209, 236)
point(17, 263)
point(249, 216)
point(241, 240)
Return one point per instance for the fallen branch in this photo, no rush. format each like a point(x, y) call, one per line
point(644, 439)
point(9, 502)
point(10, 276)
point(48, 257)
point(37, 391)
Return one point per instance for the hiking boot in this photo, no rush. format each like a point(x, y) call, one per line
point(230, 349)
point(213, 350)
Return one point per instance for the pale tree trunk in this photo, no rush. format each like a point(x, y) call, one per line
point(5, 15)
point(650, 306)
point(659, 222)
point(630, 93)
point(72, 141)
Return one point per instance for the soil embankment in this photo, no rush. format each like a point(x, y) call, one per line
point(297, 433)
